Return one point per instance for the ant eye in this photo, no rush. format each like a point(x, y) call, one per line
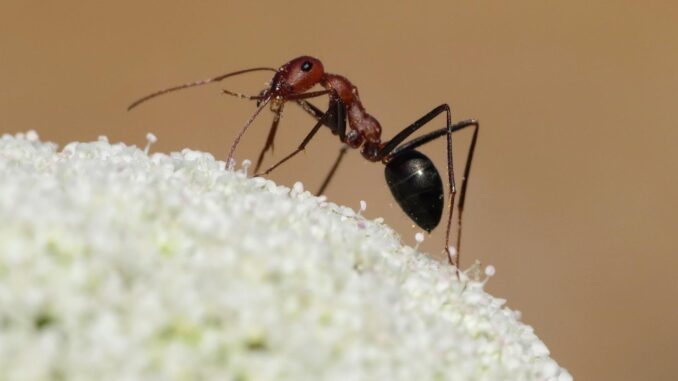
point(306, 66)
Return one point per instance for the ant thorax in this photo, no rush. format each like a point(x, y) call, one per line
point(365, 128)
point(342, 87)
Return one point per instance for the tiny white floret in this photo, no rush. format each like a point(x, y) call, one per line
point(151, 138)
point(298, 187)
point(245, 166)
point(452, 251)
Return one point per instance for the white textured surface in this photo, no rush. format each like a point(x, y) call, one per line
point(119, 266)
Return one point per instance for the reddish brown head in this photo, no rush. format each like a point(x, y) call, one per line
point(297, 76)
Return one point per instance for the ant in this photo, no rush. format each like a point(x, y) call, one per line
point(413, 179)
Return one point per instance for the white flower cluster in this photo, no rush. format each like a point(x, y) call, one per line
point(117, 265)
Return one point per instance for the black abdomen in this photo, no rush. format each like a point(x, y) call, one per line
point(417, 187)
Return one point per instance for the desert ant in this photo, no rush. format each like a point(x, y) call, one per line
point(413, 179)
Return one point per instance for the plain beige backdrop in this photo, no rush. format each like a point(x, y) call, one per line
point(573, 190)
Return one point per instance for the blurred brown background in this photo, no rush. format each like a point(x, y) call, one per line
point(572, 195)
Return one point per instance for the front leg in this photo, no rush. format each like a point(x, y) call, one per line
point(336, 121)
point(336, 111)
point(334, 118)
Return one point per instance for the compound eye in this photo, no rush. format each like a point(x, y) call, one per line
point(306, 66)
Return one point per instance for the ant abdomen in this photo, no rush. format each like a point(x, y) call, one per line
point(417, 187)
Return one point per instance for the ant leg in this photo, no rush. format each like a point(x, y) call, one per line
point(421, 140)
point(274, 125)
point(387, 152)
point(269, 139)
point(335, 118)
point(311, 109)
point(388, 148)
point(467, 168)
point(299, 149)
point(336, 121)
point(336, 108)
point(312, 94)
point(464, 180)
point(260, 106)
point(329, 176)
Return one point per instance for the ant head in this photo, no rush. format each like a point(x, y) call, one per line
point(297, 76)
